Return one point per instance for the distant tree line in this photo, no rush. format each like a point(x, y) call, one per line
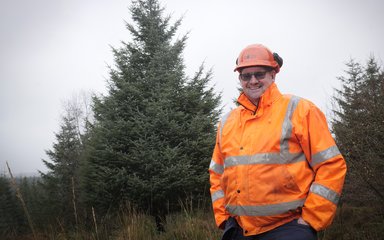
point(147, 143)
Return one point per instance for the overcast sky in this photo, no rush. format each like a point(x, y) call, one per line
point(52, 49)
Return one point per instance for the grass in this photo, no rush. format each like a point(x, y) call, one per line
point(189, 224)
point(133, 225)
point(351, 223)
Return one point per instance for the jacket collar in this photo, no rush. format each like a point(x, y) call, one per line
point(270, 95)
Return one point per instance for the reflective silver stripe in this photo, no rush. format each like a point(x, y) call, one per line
point(287, 124)
point(284, 156)
point(324, 155)
point(294, 157)
point(265, 210)
point(222, 123)
point(217, 195)
point(217, 168)
point(264, 158)
point(325, 192)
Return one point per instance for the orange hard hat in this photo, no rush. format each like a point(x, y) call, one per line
point(258, 55)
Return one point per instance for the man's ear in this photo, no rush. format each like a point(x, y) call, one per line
point(273, 75)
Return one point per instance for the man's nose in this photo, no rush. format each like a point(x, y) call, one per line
point(253, 79)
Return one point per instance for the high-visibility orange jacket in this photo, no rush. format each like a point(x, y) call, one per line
point(274, 163)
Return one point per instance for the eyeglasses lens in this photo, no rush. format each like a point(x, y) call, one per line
point(248, 76)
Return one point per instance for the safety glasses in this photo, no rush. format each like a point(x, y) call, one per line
point(248, 76)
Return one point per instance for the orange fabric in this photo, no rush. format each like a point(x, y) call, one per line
point(250, 130)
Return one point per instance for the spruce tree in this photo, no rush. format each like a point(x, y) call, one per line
point(154, 131)
point(62, 176)
point(359, 129)
point(347, 108)
point(35, 197)
point(12, 221)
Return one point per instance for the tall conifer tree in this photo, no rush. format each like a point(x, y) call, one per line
point(154, 131)
point(359, 129)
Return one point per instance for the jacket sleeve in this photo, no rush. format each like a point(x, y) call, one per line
point(327, 163)
point(216, 169)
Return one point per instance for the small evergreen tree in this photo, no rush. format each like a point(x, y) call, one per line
point(61, 179)
point(12, 221)
point(154, 131)
point(34, 195)
point(359, 129)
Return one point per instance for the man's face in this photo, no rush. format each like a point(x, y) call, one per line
point(254, 81)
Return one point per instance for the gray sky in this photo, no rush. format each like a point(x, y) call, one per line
point(50, 50)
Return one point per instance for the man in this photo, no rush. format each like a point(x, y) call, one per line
point(276, 172)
